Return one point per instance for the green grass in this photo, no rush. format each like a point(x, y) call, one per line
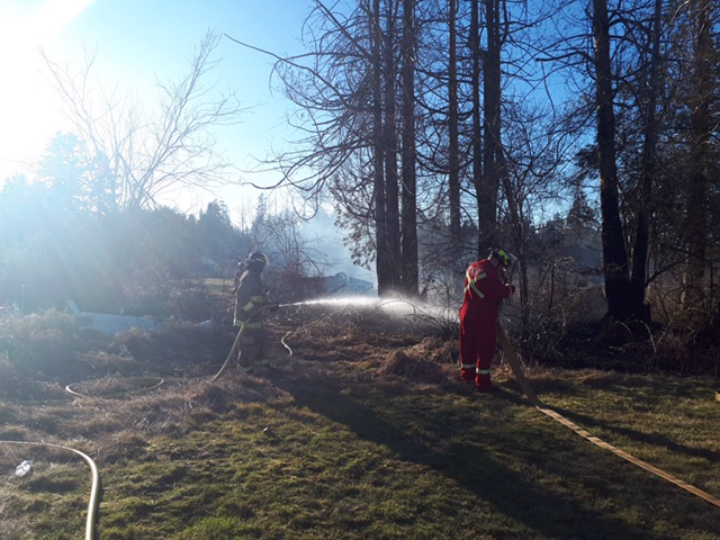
point(330, 447)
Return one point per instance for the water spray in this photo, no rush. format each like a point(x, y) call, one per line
point(376, 303)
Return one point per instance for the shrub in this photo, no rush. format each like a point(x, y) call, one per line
point(43, 345)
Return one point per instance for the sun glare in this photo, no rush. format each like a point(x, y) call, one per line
point(28, 106)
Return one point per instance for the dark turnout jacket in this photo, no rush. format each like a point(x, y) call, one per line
point(249, 298)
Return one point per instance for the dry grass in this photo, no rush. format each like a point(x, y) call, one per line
point(364, 431)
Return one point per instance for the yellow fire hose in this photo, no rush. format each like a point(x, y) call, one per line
point(146, 384)
point(94, 503)
point(530, 393)
point(231, 355)
point(235, 347)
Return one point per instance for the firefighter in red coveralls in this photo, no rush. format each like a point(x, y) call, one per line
point(484, 290)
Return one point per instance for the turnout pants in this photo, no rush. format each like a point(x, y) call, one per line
point(252, 347)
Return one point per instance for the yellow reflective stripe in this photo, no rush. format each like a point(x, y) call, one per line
point(472, 283)
point(254, 300)
point(467, 366)
point(251, 325)
point(482, 371)
point(477, 291)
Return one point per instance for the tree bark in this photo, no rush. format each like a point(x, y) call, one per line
point(453, 122)
point(638, 278)
point(695, 226)
point(384, 274)
point(392, 202)
point(615, 260)
point(477, 146)
point(409, 183)
point(491, 127)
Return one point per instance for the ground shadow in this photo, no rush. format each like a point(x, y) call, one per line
point(474, 469)
point(648, 438)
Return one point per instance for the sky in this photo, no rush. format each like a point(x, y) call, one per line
point(136, 43)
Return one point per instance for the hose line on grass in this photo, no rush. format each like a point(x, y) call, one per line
point(530, 393)
point(287, 334)
point(236, 345)
point(94, 503)
point(231, 354)
point(150, 382)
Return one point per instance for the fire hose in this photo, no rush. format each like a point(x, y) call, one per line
point(94, 503)
point(236, 344)
point(517, 370)
point(145, 384)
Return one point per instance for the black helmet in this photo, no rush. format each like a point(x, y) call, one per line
point(258, 257)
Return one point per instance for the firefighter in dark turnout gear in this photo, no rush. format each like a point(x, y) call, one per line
point(484, 290)
point(250, 301)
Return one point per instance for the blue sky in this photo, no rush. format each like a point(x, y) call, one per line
point(137, 42)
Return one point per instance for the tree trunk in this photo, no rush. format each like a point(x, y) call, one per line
point(615, 260)
point(409, 196)
point(519, 241)
point(453, 121)
point(695, 226)
point(384, 273)
point(391, 166)
point(477, 156)
point(491, 127)
point(638, 278)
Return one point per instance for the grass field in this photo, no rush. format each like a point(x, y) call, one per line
point(364, 432)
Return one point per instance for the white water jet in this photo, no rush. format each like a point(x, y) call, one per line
point(396, 306)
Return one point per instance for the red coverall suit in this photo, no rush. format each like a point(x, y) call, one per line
point(484, 289)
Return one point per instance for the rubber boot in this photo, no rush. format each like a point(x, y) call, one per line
point(241, 366)
point(246, 358)
point(484, 384)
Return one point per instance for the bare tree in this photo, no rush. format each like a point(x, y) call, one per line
point(485, 211)
point(453, 125)
point(392, 193)
point(700, 102)
point(409, 180)
point(356, 90)
point(615, 257)
point(383, 266)
point(638, 277)
point(143, 156)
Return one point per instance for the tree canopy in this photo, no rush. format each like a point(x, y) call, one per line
point(436, 130)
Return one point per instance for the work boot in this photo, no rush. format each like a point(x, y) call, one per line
point(261, 368)
point(467, 373)
point(262, 372)
point(484, 384)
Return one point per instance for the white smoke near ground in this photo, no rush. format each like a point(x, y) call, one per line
point(333, 255)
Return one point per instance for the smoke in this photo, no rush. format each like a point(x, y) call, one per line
point(326, 239)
